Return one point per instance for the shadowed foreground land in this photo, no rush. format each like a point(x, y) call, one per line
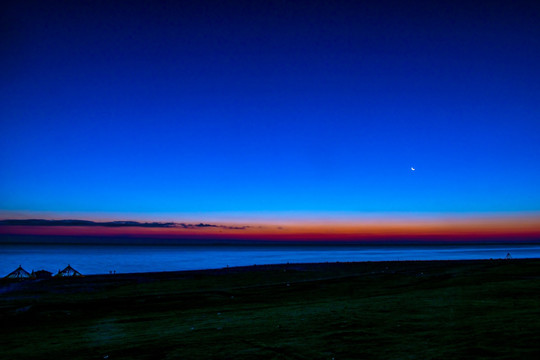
point(428, 309)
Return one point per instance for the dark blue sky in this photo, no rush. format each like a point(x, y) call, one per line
point(197, 106)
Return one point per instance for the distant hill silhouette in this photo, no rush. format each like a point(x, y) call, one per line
point(43, 222)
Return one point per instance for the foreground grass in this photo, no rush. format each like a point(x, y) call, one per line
point(440, 309)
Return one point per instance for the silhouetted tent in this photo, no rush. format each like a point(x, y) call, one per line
point(19, 273)
point(69, 271)
point(508, 256)
point(42, 274)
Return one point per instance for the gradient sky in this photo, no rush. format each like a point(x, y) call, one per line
point(164, 109)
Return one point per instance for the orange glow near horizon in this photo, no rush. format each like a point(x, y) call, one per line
point(346, 229)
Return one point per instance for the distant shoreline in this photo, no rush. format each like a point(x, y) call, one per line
point(130, 257)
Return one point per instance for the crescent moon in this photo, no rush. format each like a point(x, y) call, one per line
point(412, 168)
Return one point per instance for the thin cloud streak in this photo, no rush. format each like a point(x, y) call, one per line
point(114, 224)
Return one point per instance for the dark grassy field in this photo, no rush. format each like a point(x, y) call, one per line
point(382, 310)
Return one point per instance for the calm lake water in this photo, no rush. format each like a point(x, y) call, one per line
point(94, 259)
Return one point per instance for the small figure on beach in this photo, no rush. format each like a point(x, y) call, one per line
point(508, 256)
